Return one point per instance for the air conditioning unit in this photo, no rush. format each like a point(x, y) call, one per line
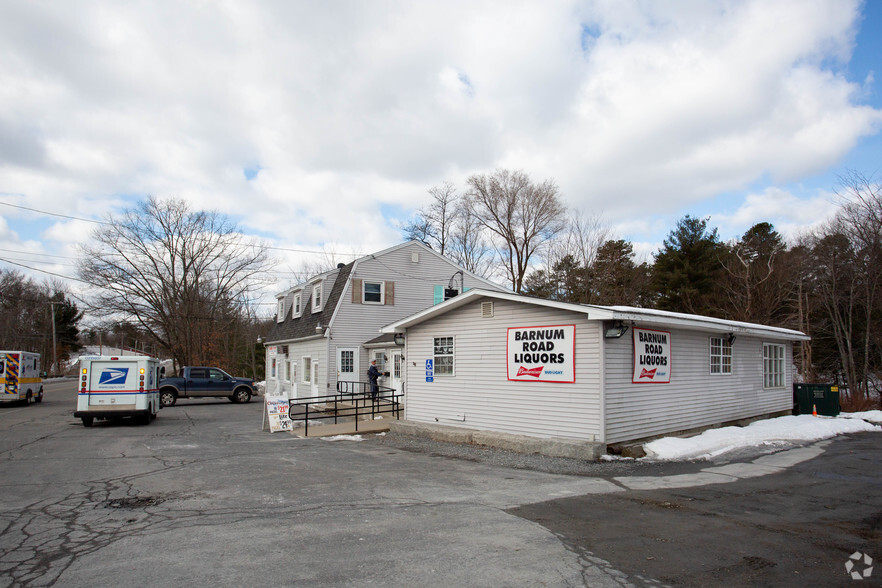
point(283, 350)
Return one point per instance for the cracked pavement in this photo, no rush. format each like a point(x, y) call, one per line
point(202, 496)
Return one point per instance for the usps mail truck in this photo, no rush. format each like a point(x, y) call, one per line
point(113, 387)
point(20, 377)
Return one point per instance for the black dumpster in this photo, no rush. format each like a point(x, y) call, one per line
point(821, 397)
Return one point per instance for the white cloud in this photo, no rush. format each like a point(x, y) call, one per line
point(791, 216)
point(349, 110)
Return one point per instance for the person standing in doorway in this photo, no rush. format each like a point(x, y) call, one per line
point(373, 374)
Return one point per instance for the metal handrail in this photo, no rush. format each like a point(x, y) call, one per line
point(360, 402)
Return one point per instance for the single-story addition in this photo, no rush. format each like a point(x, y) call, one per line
point(599, 375)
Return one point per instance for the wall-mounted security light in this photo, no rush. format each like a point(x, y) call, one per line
point(616, 330)
point(731, 339)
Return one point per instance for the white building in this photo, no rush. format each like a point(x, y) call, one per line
point(494, 361)
point(326, 328)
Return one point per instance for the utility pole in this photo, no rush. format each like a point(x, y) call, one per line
point(54, 344)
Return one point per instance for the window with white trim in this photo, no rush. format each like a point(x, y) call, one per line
point(292, 370)
point(380, 357)
point(443, 356)
point(273, 368)
point(296, 308)
point(720, 356)
point(347, 361)
point(280, 311)
point(317, 297)
point(306, 373)
point(773, 365)
point(373, 292)
point(283, 371)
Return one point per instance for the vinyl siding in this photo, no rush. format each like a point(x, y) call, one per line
point(694, 397)
point(316, 349)
point(356, 323)
point(479, 395)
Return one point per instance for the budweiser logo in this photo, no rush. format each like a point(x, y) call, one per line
point(535, 372)
point(648, 373)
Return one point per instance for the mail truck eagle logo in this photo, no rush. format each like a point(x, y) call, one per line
point(113, 376)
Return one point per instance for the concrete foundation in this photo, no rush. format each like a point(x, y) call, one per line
point(551, 446)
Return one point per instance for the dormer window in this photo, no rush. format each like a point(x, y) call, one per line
point(297, 305)
point(317, 297)
point(280, 311)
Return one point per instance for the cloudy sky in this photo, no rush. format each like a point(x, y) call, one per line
point(322, 125)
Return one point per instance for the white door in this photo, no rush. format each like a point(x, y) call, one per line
point(314, 380)
point(347, 364)
point(395, 370)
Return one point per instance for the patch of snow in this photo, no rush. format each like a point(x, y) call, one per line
point(612, 457)
point(871, 416)
point(343, 438)
point(769, 432)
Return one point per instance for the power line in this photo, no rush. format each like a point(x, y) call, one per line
point(312, 251)
point(47, 272)
point(88, 220)
point(37, 253)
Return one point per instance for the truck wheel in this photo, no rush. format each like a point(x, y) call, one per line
point(241, 395)
point(39, 398)
point(145, 418)
point(168, 397)
point(87, 421)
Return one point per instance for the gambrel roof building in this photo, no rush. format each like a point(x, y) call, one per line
point(327, 329)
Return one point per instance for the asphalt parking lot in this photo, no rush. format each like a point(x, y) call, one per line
point(202, 496)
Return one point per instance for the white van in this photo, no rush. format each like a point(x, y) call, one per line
point(20, 377)
point(112, 387)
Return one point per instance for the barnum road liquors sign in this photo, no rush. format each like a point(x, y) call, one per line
point(652, 357)
point(542, 354)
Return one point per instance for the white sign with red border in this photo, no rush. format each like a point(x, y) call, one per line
point(542, 354)
point(652, 357)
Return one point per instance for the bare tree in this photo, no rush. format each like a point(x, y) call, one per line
point(521, 216)
point(328, 259)
point(468, 245)
point(757, 282)
point(581, 239)
point(433, 224)
point(860, 220)
point(184, 276)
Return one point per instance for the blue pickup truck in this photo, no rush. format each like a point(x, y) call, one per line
point(195, 382)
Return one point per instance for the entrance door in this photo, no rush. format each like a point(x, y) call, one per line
point(314, 379)
point(395, 371)
point(347, 364)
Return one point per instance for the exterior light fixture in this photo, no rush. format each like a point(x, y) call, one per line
point(615, 331)
point(398, 338)
point(319, 329)
point(731, 339)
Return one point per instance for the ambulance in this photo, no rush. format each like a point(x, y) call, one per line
point(112, 387)
point(20, 377)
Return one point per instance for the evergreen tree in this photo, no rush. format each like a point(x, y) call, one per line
point(687, 268)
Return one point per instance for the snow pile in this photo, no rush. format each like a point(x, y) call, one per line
point(784, 429)
point(872, 416)
point(343, 438)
